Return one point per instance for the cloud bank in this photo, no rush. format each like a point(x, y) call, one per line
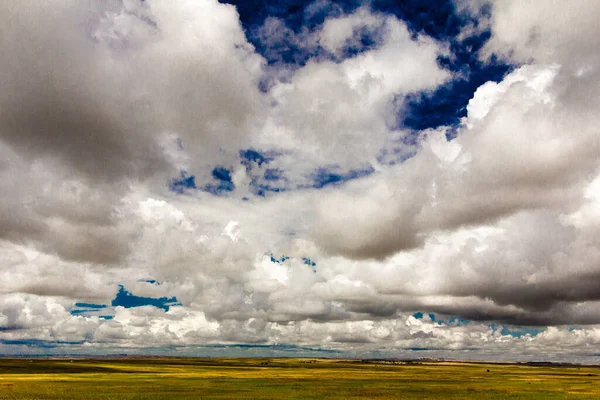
point(261, 177)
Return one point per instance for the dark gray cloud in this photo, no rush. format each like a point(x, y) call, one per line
point(93, 97)
point(59, 99)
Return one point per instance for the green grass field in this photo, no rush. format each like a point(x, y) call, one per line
point(211, 378)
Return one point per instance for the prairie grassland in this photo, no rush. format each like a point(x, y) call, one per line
point(195, 378)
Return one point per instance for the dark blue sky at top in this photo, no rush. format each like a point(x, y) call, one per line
point(444, 106)
point(438, 19)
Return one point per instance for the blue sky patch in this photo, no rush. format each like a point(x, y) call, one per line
point(80, 311)
point(88, 309)
point(446, 105)
point(223, 182)
point(459, 321)
point(324, 176)
point(420, 315)
point(310, 263)
point(364, 40)
point(271, 180)
point(305, 260)
point(183, 183)
point(281, 260)
point(273, 174)
point(90, 305)
point(10, 328)
point(261, 189)
point(520, 331)
point(249, 156)
point(297, 18)
point(126, 299)
point(454, 320)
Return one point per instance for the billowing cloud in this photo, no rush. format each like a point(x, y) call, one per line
point(274, 197)
point(97, 98)
point(341, 112)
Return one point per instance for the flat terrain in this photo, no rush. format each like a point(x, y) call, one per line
point(211, 378)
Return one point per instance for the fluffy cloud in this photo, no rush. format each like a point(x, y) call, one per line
point(544, 33)
point(106, 103)
point(487, 173)
point(493, 213)
point(96, 99)
point(340, 112)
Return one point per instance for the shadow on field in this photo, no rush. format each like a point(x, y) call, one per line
point(56, 367)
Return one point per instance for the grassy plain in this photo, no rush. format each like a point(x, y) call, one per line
point(211, 378)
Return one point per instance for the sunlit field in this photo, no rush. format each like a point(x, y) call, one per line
point(171, 378)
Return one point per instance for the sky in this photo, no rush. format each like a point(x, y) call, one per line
point(339, 179)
